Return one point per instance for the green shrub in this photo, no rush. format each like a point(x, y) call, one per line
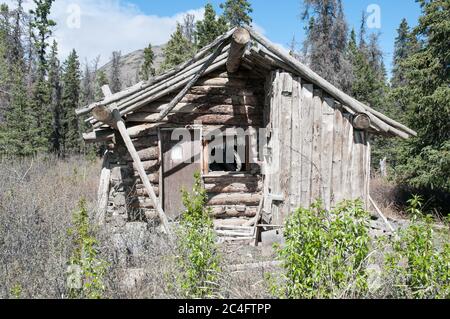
point(86, 269)
point(419, 264)
point(198, 256)
point(325, 253)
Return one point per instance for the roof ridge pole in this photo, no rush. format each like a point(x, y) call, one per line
point(239, 42)
point(191, 83)
point(119, 123)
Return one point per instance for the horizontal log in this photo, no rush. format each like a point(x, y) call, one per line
point(207, 119)
point(99, 136)
point(141, 192)
point(214, 90)
point(149, 166)
point(361, 121)
point(253, 100)
point(147, 141)
point(228, 82)
point(227, 187)
point(232, 212)
point(146, 154)
point(134, 180)
point(214, 178)
point(200, 108)
point(234, 199)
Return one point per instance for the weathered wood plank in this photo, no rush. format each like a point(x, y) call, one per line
point(337, 155)
point(234, 187)
point(285, 125)
point(316, 175)
point(296, 145)
point(327, 149)
point(347, 158)
point(252, 100)
point(200, 108)
point(307, 143)
point(233, 211)
point(146, 154)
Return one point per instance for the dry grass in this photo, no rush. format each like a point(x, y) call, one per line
point(386, 195)
point(37, 200)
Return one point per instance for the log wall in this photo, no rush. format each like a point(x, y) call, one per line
point(313, 150)
point(217, 101)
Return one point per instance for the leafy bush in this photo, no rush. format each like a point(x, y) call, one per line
point(86, 269)
point(198, 257)
point(419, 264)
point(325, 253)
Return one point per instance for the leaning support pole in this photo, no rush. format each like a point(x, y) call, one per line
point(239, 41)
point(120, 125)
point(138, 163)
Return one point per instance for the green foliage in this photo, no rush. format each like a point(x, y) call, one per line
point(426, 158)
point(70, 132)
point(16, 291)
point(178, 49)
point(211, 27)
point(419, 264)
point(237, 12)
point(147, 69)
point(198, 257)
point(325, 253)
point(85, 256)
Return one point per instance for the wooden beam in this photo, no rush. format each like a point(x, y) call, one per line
point(119, 123)
point(239, 41)
point(103, 190)
point(361, 121)
point(192, 82)
point(140, 168)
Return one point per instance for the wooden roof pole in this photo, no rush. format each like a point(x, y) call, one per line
point(119, 123)
point(239, 41)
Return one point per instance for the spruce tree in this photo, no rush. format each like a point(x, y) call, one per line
point(101, 79)
point(42, 30)
point(210, 27)
point(237, 12)
point(178, 49)
point(71, 135)
point(147, 69)
point(426, 160)
point(54, 78)
point(325, 45)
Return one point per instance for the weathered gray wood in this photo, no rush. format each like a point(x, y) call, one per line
point(347, 158)
point(103, 190)
point(99, 136)
point(239, 42)
point(307, 145)
point(205, 119)
point(143, 85)
point(361, 121)
point(132, 150)
point(316, 174)
point(296, 144)
point(246, 199)
point(233, 211)
point(191, 83)
point(285, 125)
point(327, 149)
point(309, 75)
point(146, 154)
point(338, 146)
point(225, 187)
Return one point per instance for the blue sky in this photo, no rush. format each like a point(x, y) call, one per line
point(280, 19)
point(95, 28)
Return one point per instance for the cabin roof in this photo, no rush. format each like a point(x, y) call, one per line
point(261, 56)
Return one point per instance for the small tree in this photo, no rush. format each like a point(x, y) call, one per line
point(210, 27)
point(198, 256)
point(325, 253)
point(178, 49)
point(147, 69)
point(91, 269)
point(419, 264)
point(237, 12)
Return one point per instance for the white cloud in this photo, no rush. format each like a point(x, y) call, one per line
point(108, 25)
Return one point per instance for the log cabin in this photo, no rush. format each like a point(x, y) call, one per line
point(289, 138)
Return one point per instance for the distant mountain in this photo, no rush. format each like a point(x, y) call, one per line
point(130, 65)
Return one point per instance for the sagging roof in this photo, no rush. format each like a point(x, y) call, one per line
point(260, 54)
